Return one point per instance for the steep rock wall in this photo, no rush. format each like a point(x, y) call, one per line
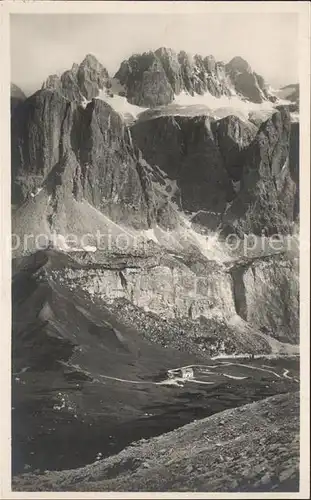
point(166, 291)
point(186, 150)
point(263, 292)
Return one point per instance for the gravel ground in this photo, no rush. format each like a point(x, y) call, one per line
point(251, 448)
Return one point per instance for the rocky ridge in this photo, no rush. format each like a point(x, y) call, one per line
point(238, 299)
point(246, 82)
point(154, 78)
point(64, 124)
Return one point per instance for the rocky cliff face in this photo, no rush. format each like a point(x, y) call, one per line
point(248, 84)
point(113, 178)
point(233, 136)
point(255, 284)
point(242, 294)
point(294, 163)
point(265, 201)
point(227, 167)
point(185, 148)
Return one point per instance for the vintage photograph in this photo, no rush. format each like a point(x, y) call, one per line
point(155, 251)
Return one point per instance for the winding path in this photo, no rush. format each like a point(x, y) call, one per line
point(181, 375)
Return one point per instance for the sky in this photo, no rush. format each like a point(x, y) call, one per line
point(44, 44)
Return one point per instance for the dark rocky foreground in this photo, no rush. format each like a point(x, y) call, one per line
point(254, 448)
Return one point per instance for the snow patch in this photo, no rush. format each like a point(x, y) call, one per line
point(224, 105)
point(121, 105)
point(33, 195)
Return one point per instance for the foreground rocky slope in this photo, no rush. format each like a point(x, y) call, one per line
point(214, 454)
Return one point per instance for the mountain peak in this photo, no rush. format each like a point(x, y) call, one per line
point(83, 80)
point(90, 60)
point(163, 49)
point(239, 64)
